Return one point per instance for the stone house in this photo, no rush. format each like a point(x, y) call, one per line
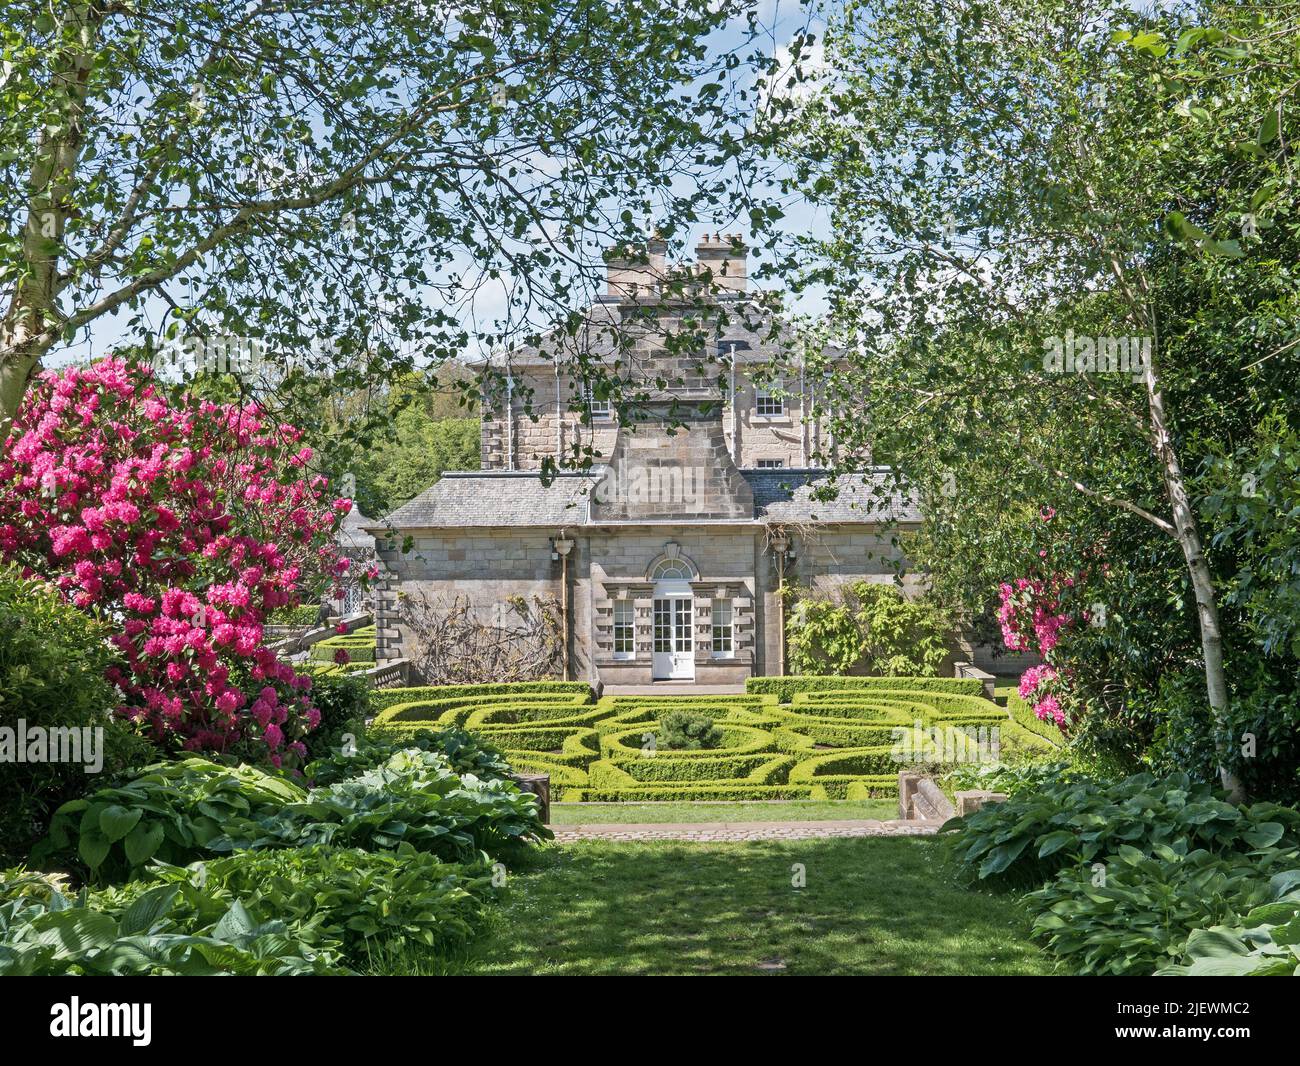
point(666, 554)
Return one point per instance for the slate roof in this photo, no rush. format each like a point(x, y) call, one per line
point(494, 498)
point(352, 535)
point(499, 498)
point(783, 495)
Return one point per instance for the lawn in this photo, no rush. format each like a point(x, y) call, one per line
point(759, 811)
point(870, 906)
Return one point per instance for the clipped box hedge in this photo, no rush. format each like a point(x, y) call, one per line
point(839, 741)
point(785, 687)
point(381, 699)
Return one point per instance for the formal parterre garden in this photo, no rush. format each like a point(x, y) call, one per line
point(790, 738)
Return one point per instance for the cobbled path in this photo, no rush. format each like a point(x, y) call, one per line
point(724, 832)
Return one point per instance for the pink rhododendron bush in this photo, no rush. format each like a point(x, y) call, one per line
point(1035, 613)
point(183, 524)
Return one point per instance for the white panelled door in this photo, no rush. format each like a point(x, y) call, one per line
point(674, 648)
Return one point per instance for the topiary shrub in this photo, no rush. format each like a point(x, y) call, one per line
point(52, 663)
point(684, 731)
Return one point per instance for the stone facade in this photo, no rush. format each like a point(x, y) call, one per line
point(668, 553)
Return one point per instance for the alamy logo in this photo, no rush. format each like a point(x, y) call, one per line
point(1083, 354)
point(21, 743)
point(75, 1018)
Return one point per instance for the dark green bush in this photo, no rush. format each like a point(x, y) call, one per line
point(343, 703)
point(684, 731)
point(52, 663)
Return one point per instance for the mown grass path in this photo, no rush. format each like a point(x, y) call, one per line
point(880, 905)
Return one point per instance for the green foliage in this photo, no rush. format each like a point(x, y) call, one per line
point(155, 935)
point(307, 910)
point(305, 614)
point(1076, 820)
point(344, 704)
point(1133, 914)
point(381, 699)
point(683, 731)
point(1176, 222)
point(1265, 942)
point(357, 219)
point(171, 813)
point(412, 455)
point(413, 798)
point(52, 663)
point(869, 627)
point(381, 800)
point(785, 688)
point(1010, 779)
point(465, 754)
point(342, 901)
point(615, 749)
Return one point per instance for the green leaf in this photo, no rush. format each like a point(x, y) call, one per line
point(142, 842)
point(1268, 128)
point(116, 821)
point(93, 849)
point(1054, 842)
point(146, 911)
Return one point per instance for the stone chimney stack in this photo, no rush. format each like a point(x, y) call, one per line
point(633, 271)
point(723, 255)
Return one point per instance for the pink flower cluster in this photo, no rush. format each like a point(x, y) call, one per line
point(187, 523)
point(1032, 606)
point(1037, 688)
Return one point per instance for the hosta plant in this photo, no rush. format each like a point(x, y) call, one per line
point(1133, 913)
point(1078, 819)
point(171, 812)
point(1265, 942)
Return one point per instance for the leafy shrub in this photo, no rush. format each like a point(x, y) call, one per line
point(52, 663)
point(1265, 942)
point(185, 523)
point(413, 798)
point(155, 935)
point(1138, 917)
point(1078, 819)
point(343, 703)
point(169, 813)
point(341, 901)
point(784, 688)
point(465, 754)
point(305, 614)
point(1011, 779)
point(869, 627)
point(382, 699)
point(683, 731)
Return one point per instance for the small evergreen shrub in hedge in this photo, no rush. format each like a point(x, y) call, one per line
point(382, 699)
point(684, 731)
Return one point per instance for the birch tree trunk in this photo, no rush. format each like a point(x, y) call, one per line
point(31, 321)
point(1188, 535)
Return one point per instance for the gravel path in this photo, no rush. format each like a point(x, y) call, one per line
point(710, 832)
